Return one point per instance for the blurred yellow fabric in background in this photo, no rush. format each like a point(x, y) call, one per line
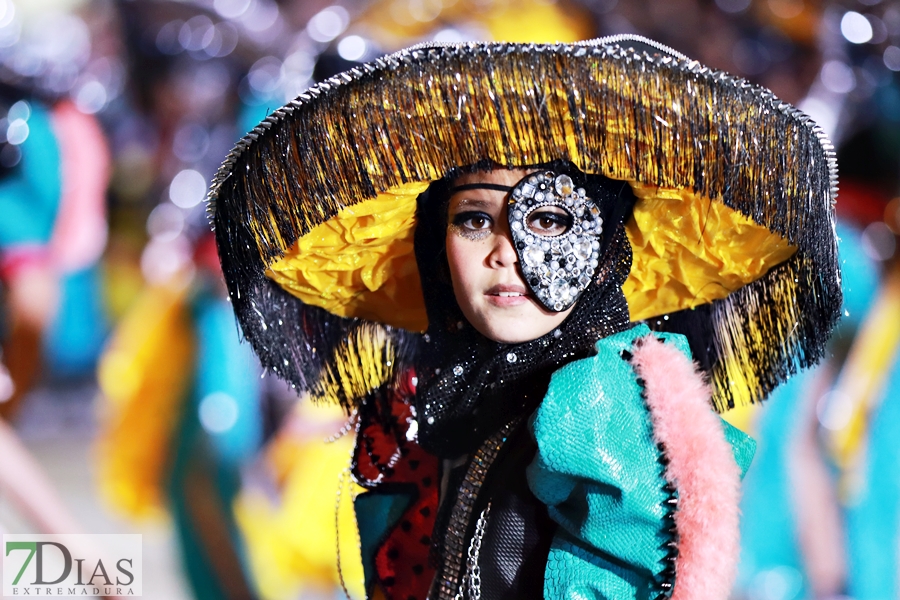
point(290, 535)
point(143, 377)
point(397, 23)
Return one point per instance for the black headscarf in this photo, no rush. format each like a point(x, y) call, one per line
point(470, 386)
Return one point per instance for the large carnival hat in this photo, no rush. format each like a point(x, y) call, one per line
point(732, 233)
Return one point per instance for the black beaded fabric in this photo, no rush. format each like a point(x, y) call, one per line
point(664, 580)
point(470, 386)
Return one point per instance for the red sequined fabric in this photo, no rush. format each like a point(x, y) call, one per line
point(387, 456)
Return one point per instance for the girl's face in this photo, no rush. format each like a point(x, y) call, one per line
point(484, 267)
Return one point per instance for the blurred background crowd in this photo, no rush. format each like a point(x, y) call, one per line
point(128, 403)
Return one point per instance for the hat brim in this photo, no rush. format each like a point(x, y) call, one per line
point(661, 121)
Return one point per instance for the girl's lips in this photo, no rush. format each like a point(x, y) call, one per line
point(504, 295)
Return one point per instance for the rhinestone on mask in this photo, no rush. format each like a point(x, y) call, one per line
point(557, 268)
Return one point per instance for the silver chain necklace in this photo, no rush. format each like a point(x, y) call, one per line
point(472, 579)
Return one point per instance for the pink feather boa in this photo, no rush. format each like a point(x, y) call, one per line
point(702, 468)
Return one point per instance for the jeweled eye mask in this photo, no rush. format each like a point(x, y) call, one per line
point(556, 233)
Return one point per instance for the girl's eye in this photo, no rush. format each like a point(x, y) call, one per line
point(549, 222)
point(473, 221)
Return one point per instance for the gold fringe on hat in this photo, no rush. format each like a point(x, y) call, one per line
point(653, 118)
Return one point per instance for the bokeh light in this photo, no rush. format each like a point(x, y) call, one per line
point(188, 189)
point(218, 412)
point(231, 9)
point(265, 76)
point(166, 222)
point(856, 27)
point(164, 259)
point(91, 97)
point(262, 15)
point(879, 241)
point(838, 77)
point(328, 23)
point(352, 48)
point(892, 58)
point(786, 9)
point(779, 583)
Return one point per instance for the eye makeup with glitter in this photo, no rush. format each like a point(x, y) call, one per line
point(472, 224)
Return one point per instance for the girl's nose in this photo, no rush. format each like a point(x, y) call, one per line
point(502, 254)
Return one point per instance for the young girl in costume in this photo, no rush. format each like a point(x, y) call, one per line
point(500, 259)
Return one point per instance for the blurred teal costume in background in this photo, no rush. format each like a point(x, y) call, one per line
point(873, 517)
point(30, 201)
point(771, 549)
point(30, 195)
point(75, 340)
point(220, 431)
point(30, 192)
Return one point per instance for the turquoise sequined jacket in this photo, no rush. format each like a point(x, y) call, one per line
point(598, 469)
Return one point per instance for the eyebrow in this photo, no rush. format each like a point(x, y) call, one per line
point(475, 202)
